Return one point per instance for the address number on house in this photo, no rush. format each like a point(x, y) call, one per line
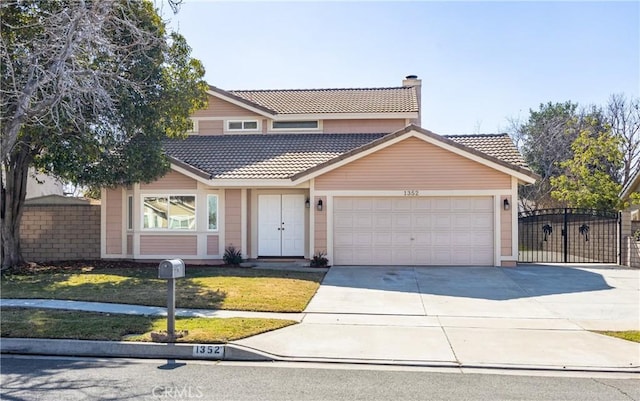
point(208, 351)
point(411, 192)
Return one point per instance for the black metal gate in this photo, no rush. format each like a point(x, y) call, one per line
point(569, 236)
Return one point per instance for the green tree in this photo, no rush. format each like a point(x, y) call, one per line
point(589, 179)
point(545, 141)
point(88, 91)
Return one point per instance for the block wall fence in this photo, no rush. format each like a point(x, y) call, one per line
point(60, 232)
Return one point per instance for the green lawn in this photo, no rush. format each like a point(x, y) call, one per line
point(47, 323)
point(203, 287)
point(630, 335)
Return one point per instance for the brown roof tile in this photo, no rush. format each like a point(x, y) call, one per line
point(499, 146)
point(285, 156)
point(319, 101)
point(262, 156)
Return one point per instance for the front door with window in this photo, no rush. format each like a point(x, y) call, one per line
point(281, 225)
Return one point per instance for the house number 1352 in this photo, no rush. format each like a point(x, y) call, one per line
point(411, 192)
point(208, 351)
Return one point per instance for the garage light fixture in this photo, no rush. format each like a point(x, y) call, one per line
point(506, 204)
point(319, 205)
point(307, 203)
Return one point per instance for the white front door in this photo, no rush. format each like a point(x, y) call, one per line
point(281, 225)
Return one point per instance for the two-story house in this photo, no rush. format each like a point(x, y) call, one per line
point(348, 172)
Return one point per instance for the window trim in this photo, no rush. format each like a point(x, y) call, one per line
point(227, 124)
point(217, 229)
point(168, 229)
point(317, 128)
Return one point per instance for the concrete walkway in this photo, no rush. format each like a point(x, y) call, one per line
point(530, 317)
point(127, 309)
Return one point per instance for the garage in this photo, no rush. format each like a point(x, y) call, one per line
point(413, 230)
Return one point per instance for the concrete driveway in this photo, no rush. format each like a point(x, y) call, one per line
point(594, 297)
point(529, 316)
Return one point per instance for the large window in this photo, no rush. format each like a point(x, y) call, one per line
point(312, 124)
point(242, 125)
point(169, 212)
point(212, 211)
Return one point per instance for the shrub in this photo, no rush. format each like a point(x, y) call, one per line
point(232, 256)
point(319, 259)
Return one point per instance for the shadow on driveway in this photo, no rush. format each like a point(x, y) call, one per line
point(489, 283)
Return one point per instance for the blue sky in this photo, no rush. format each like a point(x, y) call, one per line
point(481, 63)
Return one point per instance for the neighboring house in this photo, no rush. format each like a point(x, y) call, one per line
point(39, 184)
point(290, 173)
point(633, 185)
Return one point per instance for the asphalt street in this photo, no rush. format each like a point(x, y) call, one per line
point(54, 378)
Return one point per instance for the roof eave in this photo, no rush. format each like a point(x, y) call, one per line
point(189, 168)
point(346, 116)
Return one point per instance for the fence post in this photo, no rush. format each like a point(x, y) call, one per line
point(565, 240)
point(620, 261)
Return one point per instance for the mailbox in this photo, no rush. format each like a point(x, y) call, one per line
point(171, 268)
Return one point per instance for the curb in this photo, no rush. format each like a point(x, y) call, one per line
point(236, 352)
point(125, 349)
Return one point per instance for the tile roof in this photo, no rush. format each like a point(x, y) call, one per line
point(262, 156)
point(320, 101)
point(283, 156)
point(499, 146)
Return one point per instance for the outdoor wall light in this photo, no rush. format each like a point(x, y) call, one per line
point(319, 206)
point(307, 203)
point(505, 204)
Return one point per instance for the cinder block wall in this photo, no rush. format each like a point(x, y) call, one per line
point(633, 254)
point(60, 232)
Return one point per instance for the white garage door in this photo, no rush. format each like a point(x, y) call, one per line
point(413, 231)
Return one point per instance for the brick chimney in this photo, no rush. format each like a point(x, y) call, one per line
point(413, 81)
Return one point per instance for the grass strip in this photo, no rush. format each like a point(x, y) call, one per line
point(629, 335)
point(203, 287)
point(61, 324)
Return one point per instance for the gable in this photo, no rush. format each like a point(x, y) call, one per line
point(413, 164)
point(221, 108)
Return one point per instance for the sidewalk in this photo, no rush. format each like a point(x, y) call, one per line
point(460, 342)
point(127, 309)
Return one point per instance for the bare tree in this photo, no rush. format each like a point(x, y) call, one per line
point(84, 86)
point(544, 139)
point(623, 114)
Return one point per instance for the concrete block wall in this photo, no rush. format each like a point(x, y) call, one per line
point(60, 232)
point(633, 253)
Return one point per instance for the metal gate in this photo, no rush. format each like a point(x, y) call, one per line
point(569, 236)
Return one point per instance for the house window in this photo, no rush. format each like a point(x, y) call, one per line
point(169, 212)
point(130, 212)
point(312, 124)
point(242, 125)
point(193, 127)
point(212, 211)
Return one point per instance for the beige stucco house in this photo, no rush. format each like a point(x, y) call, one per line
point(348, 172)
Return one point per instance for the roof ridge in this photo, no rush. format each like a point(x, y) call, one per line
point(319, 89)
point(474, 135)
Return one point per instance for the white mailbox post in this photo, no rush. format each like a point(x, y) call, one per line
point(171, 269)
